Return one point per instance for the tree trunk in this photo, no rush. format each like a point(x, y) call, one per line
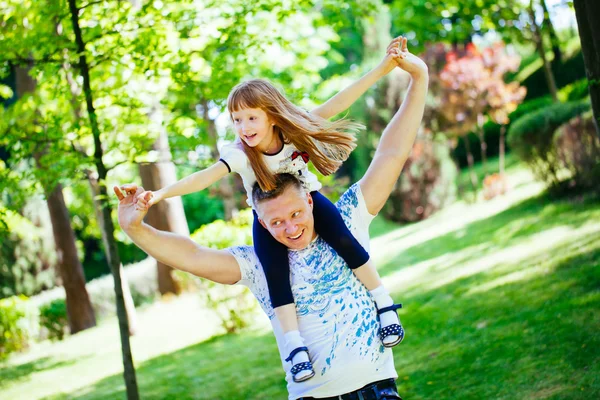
point(471, 162)
point(587, 12)
point(108, 227)
point(552, 33)
point(128, 299)
point(168, 215)
point(502, 148)
point(79, 307)
point(481, 134)
point(225, 185)
point(539, 45)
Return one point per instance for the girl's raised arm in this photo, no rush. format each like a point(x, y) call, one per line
point(345, 98)
point(193, 183)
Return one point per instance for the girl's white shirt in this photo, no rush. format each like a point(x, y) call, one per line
point(287, 160)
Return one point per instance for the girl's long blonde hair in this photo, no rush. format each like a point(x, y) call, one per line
point(327, 143)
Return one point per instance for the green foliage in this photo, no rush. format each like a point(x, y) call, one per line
point(453, 21)
point(532, 138)
point(15, 327)
point(221, 234)
point(570, 71)
point(53, 317)
point(577, 90)
point(492, 131)
point(492, 136)
point(153, 66)
point(529, 106)
point(349, 50)
point(27, 256)
point(201, 208)
point(234, 305)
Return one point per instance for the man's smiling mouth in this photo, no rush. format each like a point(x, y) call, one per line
point(297, 236)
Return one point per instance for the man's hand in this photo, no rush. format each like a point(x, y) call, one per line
point(177, 251)
point(130, 213)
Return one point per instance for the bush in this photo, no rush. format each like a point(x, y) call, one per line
point(18, 324)
point(27, 257)
point(53, 317)
point(575, 91)
point(234, 305)
point(426, 185)
point(491, 132)
point(531, 138)
point(201, 208)
point(141, 278)
point(578, 150)
point(529, 106)
point(221, 234)
point(569, 71)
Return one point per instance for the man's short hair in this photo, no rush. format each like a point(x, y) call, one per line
point(282, 182)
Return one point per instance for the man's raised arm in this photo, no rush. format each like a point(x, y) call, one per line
point(180, 252)
point(398, 137)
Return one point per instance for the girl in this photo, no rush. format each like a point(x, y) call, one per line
point(275, 136)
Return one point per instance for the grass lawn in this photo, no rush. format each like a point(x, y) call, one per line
point(502, 301)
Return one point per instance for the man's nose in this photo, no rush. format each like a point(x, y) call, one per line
point(290, 227)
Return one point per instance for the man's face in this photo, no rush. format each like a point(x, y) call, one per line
point(289, 218)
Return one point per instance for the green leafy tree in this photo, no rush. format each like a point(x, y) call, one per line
point(101, 65)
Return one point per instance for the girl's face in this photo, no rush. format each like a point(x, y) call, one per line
point(254, 127)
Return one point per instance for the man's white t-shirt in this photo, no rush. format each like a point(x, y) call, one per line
point(287, 160)
point(336, 314)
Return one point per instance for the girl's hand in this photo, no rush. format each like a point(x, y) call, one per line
point(147, 199)
point(406, 60)
point(389, 61)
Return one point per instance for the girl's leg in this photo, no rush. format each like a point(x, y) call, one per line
point(273, 257)
point(332, 228)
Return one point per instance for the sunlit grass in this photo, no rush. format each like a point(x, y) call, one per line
point(502, 301)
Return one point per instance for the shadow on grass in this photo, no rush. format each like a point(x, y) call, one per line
point(244, 366)
point(502, 230)
point(534, 338)
point(10, 374)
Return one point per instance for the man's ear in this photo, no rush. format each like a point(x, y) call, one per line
point(262, 223)
point(309, 199)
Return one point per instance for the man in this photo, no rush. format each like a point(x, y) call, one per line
point(336, 314)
